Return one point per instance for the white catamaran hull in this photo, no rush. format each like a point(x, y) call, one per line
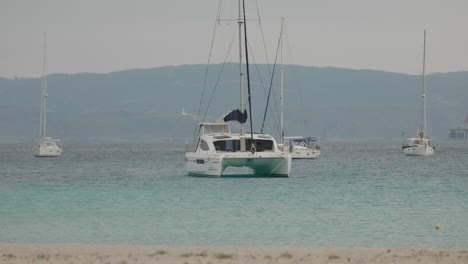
point(419, 150)
point(261, 164)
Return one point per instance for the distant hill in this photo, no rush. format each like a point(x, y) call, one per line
point(145, 104)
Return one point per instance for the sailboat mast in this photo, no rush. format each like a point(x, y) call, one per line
point(282, 88)
point(241, 81)
point(44, 93)
point(423, 128)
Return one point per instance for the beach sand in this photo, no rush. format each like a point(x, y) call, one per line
point(126, 254)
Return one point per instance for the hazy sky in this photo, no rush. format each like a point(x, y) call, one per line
point(110, 35)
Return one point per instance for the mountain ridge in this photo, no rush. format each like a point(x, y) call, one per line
point(145, 104)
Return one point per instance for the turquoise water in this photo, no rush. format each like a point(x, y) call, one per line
point(356, 194)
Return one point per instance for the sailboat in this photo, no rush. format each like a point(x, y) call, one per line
point(304, 147)
point(420, 145)
point(46, 146)
point(300, 147)
point(217, 148)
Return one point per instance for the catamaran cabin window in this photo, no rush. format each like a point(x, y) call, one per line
point(204, 145)
point(261, 144)
point(215, 128)
point(227, 145)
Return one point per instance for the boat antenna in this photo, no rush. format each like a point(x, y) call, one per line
point(252, 148)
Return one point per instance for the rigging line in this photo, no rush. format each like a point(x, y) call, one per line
point(263, 86)
point(217, 82)
point(288, 45)
point(255, 63)
point(290, 53)
point(220, 5)
point(292, 69)
point(207, 68)
point(275, 107)
point(275, 101)
point(263, 36)
point(271, 84)
point(268, 66)
point(274, 94)
point(252, 148)
point(259, 25)
point(257, 70)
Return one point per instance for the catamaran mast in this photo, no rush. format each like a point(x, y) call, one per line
point(423, 127)
point(249, 94)
point(241, 108)
point(282, 88)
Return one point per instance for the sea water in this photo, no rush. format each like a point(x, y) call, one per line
point(365, 194)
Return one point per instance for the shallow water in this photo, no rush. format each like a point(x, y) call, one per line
point(355, 194)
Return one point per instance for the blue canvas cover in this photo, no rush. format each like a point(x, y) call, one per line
point(236, 115)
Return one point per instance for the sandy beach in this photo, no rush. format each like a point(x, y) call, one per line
point(125, 254)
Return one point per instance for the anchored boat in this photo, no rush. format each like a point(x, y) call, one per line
point(420, 145)
point(217, 149)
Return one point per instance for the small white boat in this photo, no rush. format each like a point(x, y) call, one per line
point(45, 146)
point(299, 147)
point(420, 145)
point(303, 147)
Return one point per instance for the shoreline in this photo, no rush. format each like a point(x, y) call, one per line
point(126, 254)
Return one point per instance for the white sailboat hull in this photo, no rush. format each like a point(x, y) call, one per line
point(418, 150)
point(48, 149)
point(260, 164)
point(44, 151)
point(305, 153)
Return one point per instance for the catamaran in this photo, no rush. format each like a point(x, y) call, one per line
point(46, 146)
point(420, 145)
point(217, 148)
